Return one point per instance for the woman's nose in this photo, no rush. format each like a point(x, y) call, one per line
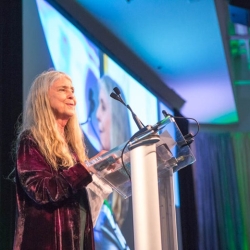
point(71, 95)
point(98, 113)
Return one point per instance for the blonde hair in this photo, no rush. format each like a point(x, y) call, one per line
point(39, 120)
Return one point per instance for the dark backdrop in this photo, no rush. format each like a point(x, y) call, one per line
point(10, 108)
point(189, 225)
point(241, 3)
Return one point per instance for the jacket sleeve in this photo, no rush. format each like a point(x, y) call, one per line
point(41, 182)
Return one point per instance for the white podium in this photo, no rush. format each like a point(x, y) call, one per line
point(150, 158)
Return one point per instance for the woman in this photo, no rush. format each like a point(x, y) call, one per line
point(114, 129)
point(52, 203)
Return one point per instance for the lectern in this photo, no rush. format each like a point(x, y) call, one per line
point(143, 168)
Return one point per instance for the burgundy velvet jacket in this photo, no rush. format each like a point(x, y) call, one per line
point(48, 203)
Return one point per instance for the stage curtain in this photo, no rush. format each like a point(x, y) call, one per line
point(222, 190)
point(241, 146)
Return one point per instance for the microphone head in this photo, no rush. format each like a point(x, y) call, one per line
point(117, 97)
point(117, 91)
point(164, 112)
point(114, 96)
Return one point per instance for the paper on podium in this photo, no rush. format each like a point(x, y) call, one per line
point(98, 191)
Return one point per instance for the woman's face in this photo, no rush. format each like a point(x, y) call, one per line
point(103, 116)
point(62, 99)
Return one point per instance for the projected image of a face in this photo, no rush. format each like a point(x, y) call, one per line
point(103, 115)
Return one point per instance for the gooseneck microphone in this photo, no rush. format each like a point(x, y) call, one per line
point(117, 91)
point(114, 96)
point(117, 96)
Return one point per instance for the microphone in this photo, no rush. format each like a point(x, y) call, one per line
point(117, 96)
point(114, 96)
point(117, 91)
point(164, 112)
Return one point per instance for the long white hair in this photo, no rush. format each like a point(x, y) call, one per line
point(39, 120)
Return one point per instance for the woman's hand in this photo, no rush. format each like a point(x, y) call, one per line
point(106, 165)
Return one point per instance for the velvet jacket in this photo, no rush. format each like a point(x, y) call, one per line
point(48, 203)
